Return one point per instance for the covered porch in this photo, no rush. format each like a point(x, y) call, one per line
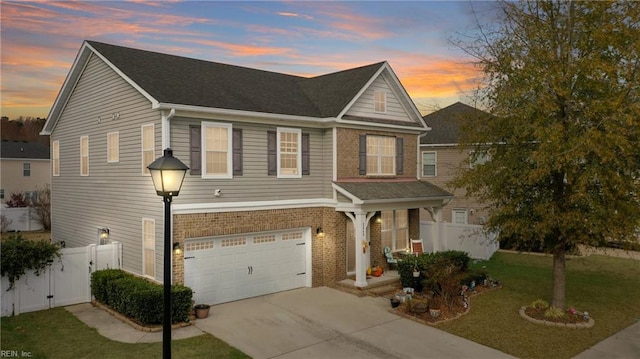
point(361, 201)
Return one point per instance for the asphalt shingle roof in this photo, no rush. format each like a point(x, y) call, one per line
point(445, 123)
point(23, 149)
point(368, 191)
point(180, 80)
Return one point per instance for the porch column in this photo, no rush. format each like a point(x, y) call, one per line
point(436, 230)
point(360, 221)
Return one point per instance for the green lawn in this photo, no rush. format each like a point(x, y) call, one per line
point(607, 287)
point(56, 333)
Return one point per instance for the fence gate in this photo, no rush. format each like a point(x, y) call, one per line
point(66, 282)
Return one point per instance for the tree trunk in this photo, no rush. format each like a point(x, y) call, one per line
point(559, 273)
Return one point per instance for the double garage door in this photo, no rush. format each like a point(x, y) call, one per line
point(224, 269)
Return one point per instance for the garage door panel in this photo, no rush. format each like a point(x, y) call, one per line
point(227, 269)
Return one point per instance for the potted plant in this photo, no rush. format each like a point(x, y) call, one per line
point(202, 310)
point(434, 307)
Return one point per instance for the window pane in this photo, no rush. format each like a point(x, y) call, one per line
point(381, 155)
point(380, 101)
point(148, 144)
point(148, 240)
point(84, 156)
point(55, 154)
point(216, 162)
point(289, 147)
point(113, 147)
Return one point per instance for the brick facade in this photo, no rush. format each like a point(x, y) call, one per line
point(348, 144)
point(328, 254)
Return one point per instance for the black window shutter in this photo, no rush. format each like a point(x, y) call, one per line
point(237, 152)
point(272, 153)
point(363, 154)
point(194, 149)
point(306, 155)
point(399, 155)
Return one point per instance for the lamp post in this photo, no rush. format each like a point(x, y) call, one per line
point(167, 173)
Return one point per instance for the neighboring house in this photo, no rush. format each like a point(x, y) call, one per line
point(442, 158)
point(25, 168)
point(293, 181)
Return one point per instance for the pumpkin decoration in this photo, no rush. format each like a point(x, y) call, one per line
point(377, 271)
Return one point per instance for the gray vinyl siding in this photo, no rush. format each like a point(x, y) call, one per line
point(363, 107)
point(114, 195)
point(448, 162)
point(254, 184)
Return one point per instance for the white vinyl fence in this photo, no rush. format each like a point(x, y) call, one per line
point(470, 238)
point(66, 282)
point(20, 219)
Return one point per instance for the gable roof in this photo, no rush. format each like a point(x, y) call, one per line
point(24, 150)
point(173, 81)
point(445, 123)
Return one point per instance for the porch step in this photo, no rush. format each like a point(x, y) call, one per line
point(384, 291)
point(377, 287)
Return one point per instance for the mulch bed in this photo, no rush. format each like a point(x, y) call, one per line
point(538, 313)
point(446, 313)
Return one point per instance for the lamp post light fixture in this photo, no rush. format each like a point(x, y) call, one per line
point(167, 173)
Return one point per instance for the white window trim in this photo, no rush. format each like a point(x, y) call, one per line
point(55, 158)
point(380, 156)
point(143, 170)
point(155, 267)
point(24, 169)
point(394, 231)
point(82, 138)
point(459, 210)
point(298, 155)
point(383, 101)
point(203, 150)
point(117, 152)
point(473, 164)
point(435, 170)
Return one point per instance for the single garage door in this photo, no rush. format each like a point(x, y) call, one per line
point(224, 269)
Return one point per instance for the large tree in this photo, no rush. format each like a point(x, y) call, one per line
point(562, 81)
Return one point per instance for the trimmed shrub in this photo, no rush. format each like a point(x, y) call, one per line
point(138, 298)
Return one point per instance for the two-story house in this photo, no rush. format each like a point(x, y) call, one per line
point(293, 181)
point(25, 168)
point(442, 158)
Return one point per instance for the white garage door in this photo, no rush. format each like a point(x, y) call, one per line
point(224, 269)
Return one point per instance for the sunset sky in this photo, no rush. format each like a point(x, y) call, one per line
point(40, 39)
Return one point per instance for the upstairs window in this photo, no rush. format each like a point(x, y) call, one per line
point(26, 169)
point(478, 158)
point(196, 150)
point(289, 153)
point(429, 163)
point(380, 101)
point(147, 140)
point(113, 147)
point(84, 156)
point(55, 158)
point(216, 150)
point(381, 155)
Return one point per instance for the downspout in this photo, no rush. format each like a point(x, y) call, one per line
point(419, 156)
point(166, 132)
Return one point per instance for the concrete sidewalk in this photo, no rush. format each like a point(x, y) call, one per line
point(622, 345)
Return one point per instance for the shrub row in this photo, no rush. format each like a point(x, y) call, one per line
point(138, 298)
point(427, 263)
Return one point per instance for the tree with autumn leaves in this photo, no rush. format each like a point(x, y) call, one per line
point(562, 82)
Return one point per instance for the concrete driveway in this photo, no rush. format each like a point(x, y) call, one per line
point(327, 323)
